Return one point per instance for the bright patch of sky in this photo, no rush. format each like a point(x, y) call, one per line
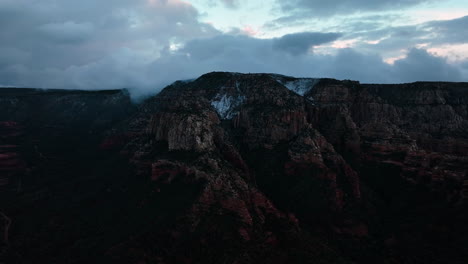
point(248, 16)
point(259, 19)
point(439, 10)
point(256, 15)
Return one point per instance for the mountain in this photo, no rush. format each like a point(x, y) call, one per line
point(236, 168)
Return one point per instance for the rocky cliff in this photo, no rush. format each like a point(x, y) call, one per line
point(244, 168)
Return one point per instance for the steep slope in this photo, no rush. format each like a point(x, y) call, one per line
point(237, 168)
point(341, 156)
point(408, 144)
point(183, 134)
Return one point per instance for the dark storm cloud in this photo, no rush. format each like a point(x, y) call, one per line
point(350, 64)
point(246, 54)
point(420, 65)
point(92, 30)
point(56, 43)
point(300, 43)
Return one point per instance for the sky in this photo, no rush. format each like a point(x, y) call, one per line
point(143, 45)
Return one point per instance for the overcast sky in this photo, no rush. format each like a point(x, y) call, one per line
point(144, 45)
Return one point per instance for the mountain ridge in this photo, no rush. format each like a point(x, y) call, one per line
point(240, 168)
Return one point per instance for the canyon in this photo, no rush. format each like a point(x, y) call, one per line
point(236, 168)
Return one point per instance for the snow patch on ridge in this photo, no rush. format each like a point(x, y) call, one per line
point(227, 104)
point(300, 86)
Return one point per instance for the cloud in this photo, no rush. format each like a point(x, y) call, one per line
point(300, 43)
point(449, 31)
point(447, 36)
point(126, 68)
point(144, 45)
point(55, 43)
point(12, 55)
point(68, 32)
point(420, 65)
point(231, 3)
point(464, 65)
point(247, 54)
point(317, 8)
point(93, 30)
point(351, 64)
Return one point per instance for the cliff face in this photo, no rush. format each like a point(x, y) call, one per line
point(252, 168)
point(343, 158)
point(417, 131)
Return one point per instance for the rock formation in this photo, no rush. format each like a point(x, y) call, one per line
point(242, 168)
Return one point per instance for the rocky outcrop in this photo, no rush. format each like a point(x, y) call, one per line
point(324, 150)
point(312, 156)
point(240, 168)
point(185, 131)
point(215, 207)
point(236, 159)
point(393, 125)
